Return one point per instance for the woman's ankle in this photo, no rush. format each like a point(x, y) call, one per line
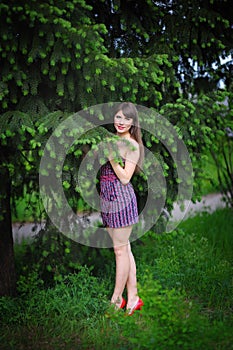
point(116, 299)
point(132, 302)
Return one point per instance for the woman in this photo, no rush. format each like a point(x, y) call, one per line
point(119, 205)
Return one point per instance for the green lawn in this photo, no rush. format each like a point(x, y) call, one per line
point(185, 279)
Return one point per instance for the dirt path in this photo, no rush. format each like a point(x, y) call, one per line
point(209, 203)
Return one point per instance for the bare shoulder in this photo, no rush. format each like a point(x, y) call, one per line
point(134, 143)
point(129, 149)
point(134, 151)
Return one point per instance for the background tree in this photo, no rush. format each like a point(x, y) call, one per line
point(38, 55)
point(197, 36)
point(53, 59)
point(57, 59)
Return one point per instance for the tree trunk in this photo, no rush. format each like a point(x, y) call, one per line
point(7, 264)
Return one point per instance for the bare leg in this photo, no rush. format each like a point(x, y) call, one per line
point(132, 281)
point(120, 238)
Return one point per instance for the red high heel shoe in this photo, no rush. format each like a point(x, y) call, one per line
point(123, 303)
point(137, 306)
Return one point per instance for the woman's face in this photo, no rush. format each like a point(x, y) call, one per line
point(122, 123)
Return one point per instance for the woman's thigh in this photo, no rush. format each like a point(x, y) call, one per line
point(120, 236)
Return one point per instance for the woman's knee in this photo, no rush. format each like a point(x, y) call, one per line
point(120, 250)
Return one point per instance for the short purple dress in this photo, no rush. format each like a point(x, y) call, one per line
point(118, 202)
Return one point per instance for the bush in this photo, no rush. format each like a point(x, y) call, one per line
point(50, 257)
point(185, 282)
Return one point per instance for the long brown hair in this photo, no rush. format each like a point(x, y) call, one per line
point(130, 111)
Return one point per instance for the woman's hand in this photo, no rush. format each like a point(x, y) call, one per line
point(131, 158)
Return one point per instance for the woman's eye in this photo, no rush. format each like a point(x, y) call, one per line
point(123, 118)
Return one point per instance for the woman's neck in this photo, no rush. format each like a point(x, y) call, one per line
point(124, 136)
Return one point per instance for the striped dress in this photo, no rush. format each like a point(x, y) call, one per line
point(118, 202)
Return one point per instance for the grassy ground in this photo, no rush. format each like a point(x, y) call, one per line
point(185, 279)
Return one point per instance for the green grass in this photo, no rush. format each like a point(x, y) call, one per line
point(217, 228)
point(185, 279)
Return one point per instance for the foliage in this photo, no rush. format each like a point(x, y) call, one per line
point(197, 36)
point(53, 61)
point(74, 42)
point(52, 256)
point(185, 281)
point(206, 126)
point(222, 154)
point(59, 58)
point(60, 310)
point(68, 55)
point(63, 62)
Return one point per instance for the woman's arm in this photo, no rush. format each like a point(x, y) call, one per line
point(131, 159)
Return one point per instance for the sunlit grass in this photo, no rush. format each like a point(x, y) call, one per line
point(216, 227)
